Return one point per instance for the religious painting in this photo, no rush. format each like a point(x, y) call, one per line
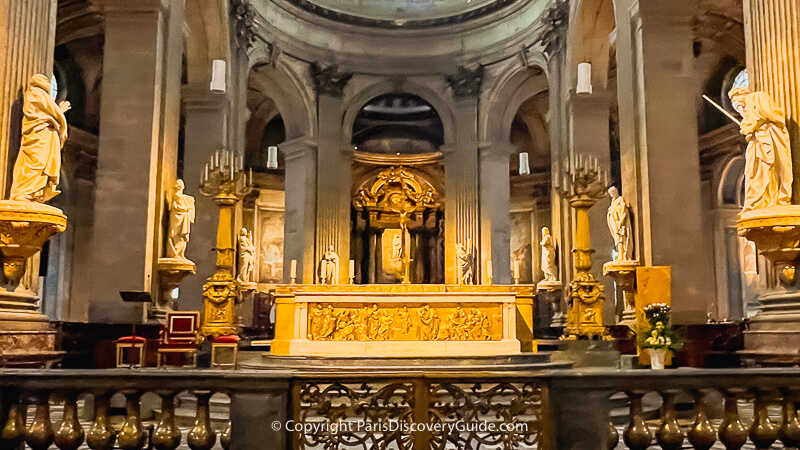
point(521, 245)
point(270, 258)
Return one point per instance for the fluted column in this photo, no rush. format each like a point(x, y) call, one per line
point(495, 212)
point(27, 39)
point(301, 193)
point(333, 184)
point(772, 40)
point(461, 188)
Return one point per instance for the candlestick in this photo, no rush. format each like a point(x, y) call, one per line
point(352, 271)
point(293, 271)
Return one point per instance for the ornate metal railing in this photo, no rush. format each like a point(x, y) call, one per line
point(406, 409)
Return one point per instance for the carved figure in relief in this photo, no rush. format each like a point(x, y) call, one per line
point(478, 325)
point(328, 324)
point(44, 130)
point(548, 256)
point(316, 315)
point(181, 218)
point(619, 224)
point(466, 263)
point(247, 257)
point(404, 319)
point(329, 267)
point(397, 247)
point(768, 163)
point(362, 324)
point(429, 323)
point(385, 321)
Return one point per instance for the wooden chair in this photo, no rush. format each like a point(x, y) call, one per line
point(130, 345)
point(179, 337)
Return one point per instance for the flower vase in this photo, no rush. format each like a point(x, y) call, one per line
point(657, 357)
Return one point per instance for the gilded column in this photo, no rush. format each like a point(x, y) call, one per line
point(27, 39)
point(773, 61)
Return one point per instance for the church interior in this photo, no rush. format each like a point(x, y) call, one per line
point(399, 224)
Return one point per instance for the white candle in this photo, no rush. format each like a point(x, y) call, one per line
point(293, 270)
point(584, 78)
point(489, 269)
point(251, 176)
point(516, 269)
point(218, 75)
point(352, 269)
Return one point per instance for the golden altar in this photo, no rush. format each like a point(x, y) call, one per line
point(402, 320)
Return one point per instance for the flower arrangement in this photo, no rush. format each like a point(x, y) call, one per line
point(658, 334)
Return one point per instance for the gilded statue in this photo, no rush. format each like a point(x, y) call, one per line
point(181, 218)
point(466, 263)
point(329, 267)
point(619, 224)
point(548, 256)
point(44, 131)
point(768, 159)
point(247, 257)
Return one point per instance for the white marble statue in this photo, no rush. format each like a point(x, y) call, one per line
point(768, 159)
point(181, 218)
point(548, 256)
point(247, 257)
point(44, 130)
point(466, 263)
point(329, 267)
point(397, 247)
point(619, 224)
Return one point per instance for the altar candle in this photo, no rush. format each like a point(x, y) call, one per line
point(293, 270)
point(205, 173)
point(516, 269)
point(489, 269)
point(352, 269)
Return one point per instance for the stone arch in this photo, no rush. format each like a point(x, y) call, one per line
point(731, 182)
point(506, 96)
point(208, 37)
point(588, 38)
point(439, 102)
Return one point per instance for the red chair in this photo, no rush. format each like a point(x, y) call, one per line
point(228, 348)
point(179, 337)
point(130, 345)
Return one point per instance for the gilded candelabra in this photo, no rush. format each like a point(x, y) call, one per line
point(582, 183)
point(224, 180)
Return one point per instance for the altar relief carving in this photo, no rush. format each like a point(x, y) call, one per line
point(403, 323)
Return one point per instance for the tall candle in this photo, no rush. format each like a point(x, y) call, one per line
point(516, 269)
point(293, 271)
point(352, 269)
point(489, 269)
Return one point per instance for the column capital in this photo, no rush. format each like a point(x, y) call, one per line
point(500, 150)
point(199, 96)
point(297, 147)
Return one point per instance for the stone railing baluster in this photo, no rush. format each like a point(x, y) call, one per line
point(13, 433)
point(132, 435)
point(762, 432)
point(70, 434)
point(225, 437)
point(732, 433)
point(613, 436)
point(789, 432)
point(101, 436)
point(669, 435)
point(202, 436)
point(166, 436)
point(701, 434)
point(637, 436)
point(40, 433)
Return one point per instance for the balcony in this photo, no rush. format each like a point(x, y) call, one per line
point(400, 409)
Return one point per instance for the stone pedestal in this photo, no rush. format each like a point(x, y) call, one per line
point(171, 271)
point(548, 319)
point(624, 274)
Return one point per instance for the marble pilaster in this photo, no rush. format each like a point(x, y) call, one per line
point(495, 207)
point(659, 145)
point(300, 155)
point(27, 40)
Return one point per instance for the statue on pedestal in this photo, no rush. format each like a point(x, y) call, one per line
point(619, 224)
point(329, 267)
point(548, 256)
point(44, 130)
point(181, 218)
point(247, 257)
point(768, 169)
point(466, 263)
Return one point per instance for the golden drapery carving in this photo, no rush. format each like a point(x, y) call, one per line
point(403, 323)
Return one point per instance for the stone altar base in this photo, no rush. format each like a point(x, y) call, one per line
point(401, 320)
point(773, 337)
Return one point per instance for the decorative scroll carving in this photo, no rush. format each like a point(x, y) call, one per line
point(399, 323)
point(244, 17)
point(219, 315)
point(554, 27)
point(398, 190)
point(329, 81)
point(467, 82)
point(479, 410)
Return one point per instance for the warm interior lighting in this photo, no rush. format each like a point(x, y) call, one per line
point(584, 78)
point(272, 157)
point(218, 75)
point(524, 165)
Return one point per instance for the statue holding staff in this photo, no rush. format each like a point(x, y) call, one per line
point(181, 218)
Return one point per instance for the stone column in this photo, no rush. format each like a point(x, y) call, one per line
point(772, 40)
point(660, 157)
point(301, 195)
point(204, 133)
point(129, 203)
point(333, 182)
point(589, 136)
point(27, 40)
point(461, 188)
point(495, 212)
